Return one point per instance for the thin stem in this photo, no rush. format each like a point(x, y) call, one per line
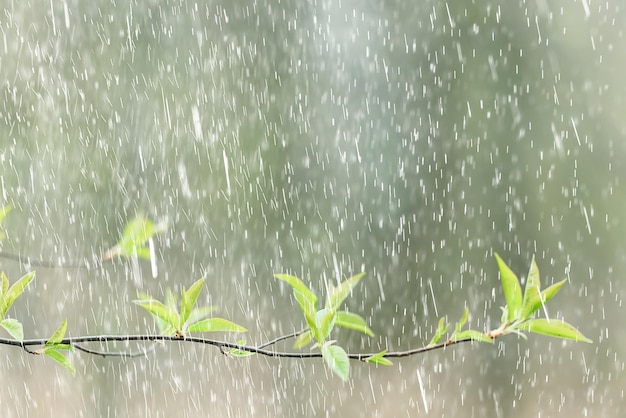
point(222, 345)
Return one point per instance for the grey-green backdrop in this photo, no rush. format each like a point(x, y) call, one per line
point(409, 140)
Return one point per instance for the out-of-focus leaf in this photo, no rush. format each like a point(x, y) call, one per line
point(13, 327)
point(337, 359)
point(235, 352)
point(216, 325)
point(132, 243)
point(303, 339)
point(339, 293)
point(10, 295)
point(379, 358)
point(5, 285)
point(352, 321)
point(511, 288)
point(462, 321)
point(3, 213)
point(298, 286)
point(554, 328)
point(200, 313)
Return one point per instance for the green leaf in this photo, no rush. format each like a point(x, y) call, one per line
point(308, 310)
point(339, 293)
point(298, 286)
point(235, 352)
point(462, 321)
point(554, 328)
point(379, 358)
point(189, 299)
point(200, 313)
point(13, 327)
point(61, 359)
point(325, 320)
point(532, 292)
point(473, 335)
point(10, 295)
point(3, 213)
point(337, 359)
point(132, 243)
point(549, 293)
point(216, 325)
point(5, 286)
point(303, 339)
point(161, 312)
point(353, 321)
point(442, 330)
point(58, 335)
point(511, 288)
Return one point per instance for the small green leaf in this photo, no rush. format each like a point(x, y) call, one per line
point(379, 358)
point(353, 321)
point(5, 286)
point(161, 312)
point(325, 320)
point(10, 295)
point(462, 321)
point(216, 325)
point(61, 359)
point(339, 293)
point(200, 313)
point(308, 310)
point(473, 335)
point(132, 243)
point(442, 330)
point(4, 212)
point(235, 352)
point(549, 293)
point(58, 335)
point(337, 359)
point(13, 327)
point(189, 299)
point(298, 286)
point(532, 292)
point(554, 328)
point(511, 288)
point(303, 339)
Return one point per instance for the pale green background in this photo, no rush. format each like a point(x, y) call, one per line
point(406, 139)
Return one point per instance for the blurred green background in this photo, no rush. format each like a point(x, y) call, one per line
point(409, 140)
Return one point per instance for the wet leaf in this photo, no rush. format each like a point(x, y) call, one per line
point(353, 321)
point(339, 293)
point(442, 330)
point(511, 288)
point(189, 298)
point(532, 292)
point(303, 339)
point(161, 312)
point(298, 286)
point(13, 327)
point(379, 359)
point(337, 360)
point(554, 328)
point(9, 296)
point(61, 359)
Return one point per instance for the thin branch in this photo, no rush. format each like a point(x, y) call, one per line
point(222, 345)
point(284, 337)
point(33, 262)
